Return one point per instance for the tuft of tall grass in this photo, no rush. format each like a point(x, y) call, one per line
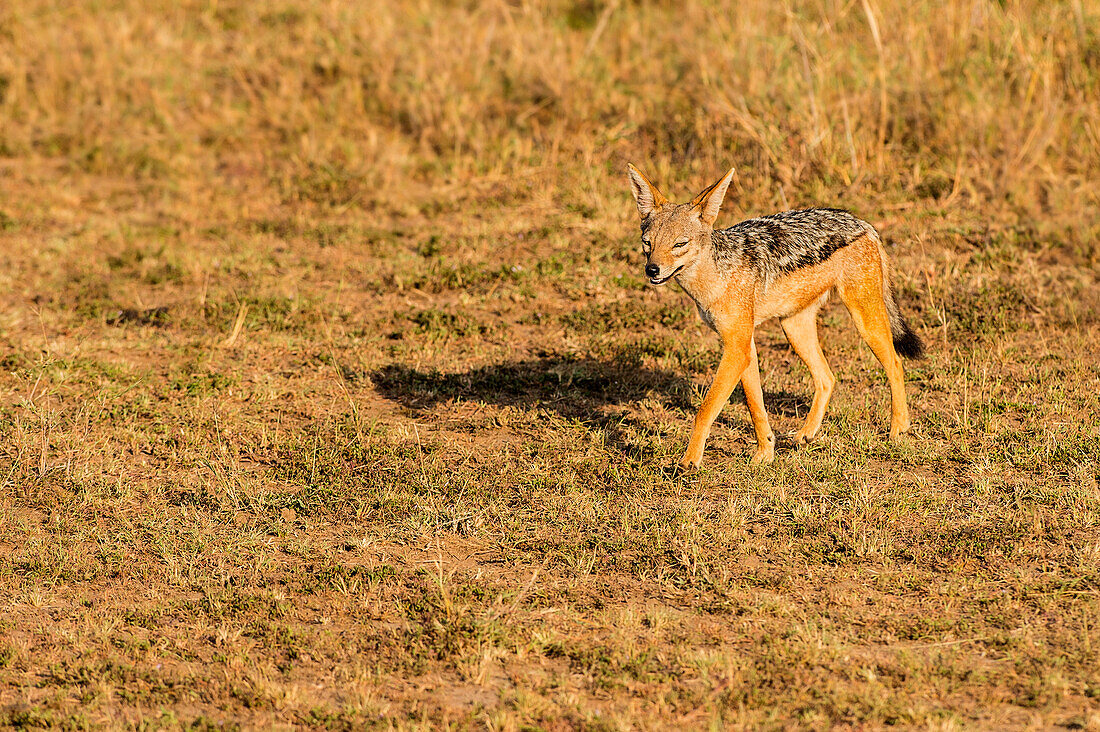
point(985, 108)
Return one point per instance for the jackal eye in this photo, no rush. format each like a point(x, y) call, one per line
point(681, 243)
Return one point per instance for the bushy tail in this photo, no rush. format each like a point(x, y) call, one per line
point(906, 342)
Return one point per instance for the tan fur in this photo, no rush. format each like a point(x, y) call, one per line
point(734, 302)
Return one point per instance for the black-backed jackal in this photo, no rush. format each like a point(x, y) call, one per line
point(779, 266)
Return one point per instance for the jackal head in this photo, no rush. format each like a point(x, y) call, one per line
point(674, 234)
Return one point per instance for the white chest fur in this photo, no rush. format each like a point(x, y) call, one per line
point(707, 317)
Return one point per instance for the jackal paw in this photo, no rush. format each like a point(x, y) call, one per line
point(764, 456)
point(897, 433)
point(686, 464)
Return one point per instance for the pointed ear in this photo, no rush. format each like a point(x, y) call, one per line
point(709, 201)
point(645, 193)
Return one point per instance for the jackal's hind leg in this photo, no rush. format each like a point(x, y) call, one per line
point(801, 330)
point(862, 294)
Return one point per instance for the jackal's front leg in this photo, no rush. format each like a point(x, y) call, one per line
point(736, 353)
point(754, 398)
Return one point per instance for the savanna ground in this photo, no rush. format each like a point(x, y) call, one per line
point(332, 394)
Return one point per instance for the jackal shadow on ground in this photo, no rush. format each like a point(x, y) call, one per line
point(578, 388)
point(573, 387)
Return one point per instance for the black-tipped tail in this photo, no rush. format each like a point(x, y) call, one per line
point(907, 343)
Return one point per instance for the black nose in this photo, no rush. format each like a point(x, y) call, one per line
point(652, 270)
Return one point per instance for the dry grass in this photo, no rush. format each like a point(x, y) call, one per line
point(331, 394)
